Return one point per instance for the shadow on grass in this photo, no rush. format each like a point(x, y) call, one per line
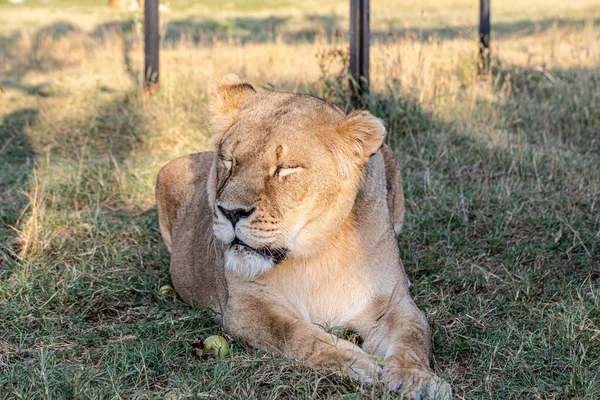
point(17, 160)
point(567, 99)
point(258, 30)
point(245, 30)
point(127, 32)
point(42, 57)
point(36, 57)
point(500, 30)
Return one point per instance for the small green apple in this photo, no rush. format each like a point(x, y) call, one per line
point(166, 289)
point(217, 345)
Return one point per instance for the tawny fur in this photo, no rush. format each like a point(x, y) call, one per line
point(319, 184)
point(126, 4)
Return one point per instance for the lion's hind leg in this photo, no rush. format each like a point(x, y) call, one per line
point(185, 221)
point(395, 193)
point(174, 189)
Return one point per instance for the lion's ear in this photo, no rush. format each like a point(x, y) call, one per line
point(360, 136)
point(231, 95)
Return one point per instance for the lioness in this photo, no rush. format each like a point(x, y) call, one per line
point(286, 230)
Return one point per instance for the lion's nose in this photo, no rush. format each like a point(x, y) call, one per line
point(235, 214)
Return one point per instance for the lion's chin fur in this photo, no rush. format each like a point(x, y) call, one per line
point(245, 264)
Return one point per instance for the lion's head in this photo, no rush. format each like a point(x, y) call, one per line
point(286, 173)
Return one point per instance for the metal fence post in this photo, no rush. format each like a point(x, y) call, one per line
point(484, 34)
point(360, 35)
point(151, 42)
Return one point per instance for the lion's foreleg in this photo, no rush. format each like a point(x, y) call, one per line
point(273, 327)
point(401, 336)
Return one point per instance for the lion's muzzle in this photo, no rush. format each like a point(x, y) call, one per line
point(275, 255)
point(249, 253)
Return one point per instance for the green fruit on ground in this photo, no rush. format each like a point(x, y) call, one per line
point(217, 344)
point(166, 289)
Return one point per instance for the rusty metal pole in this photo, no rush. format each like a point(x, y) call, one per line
point(151, 42)
point(360, 35)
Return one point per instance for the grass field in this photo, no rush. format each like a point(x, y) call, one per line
point(502, 183)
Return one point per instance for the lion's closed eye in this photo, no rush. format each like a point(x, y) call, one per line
point(284, 170)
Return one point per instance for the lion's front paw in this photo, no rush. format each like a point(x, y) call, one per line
point(417, 384)
point(365, 369)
